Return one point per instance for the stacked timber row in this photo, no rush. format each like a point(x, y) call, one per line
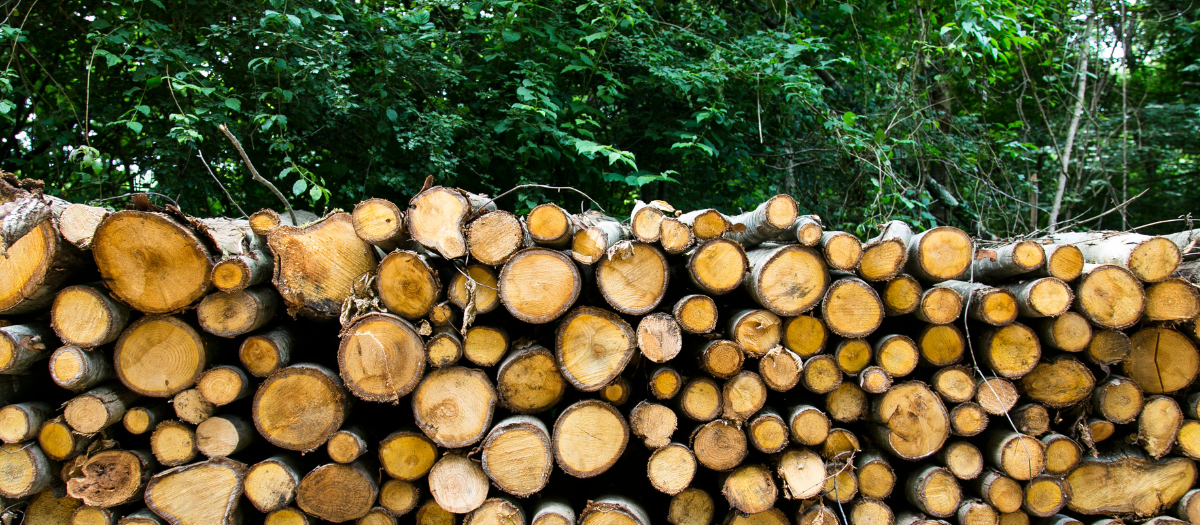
point(452, 362)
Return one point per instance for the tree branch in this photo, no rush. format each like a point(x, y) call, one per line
point(254, 173)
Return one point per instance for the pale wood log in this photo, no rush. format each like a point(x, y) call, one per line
point(968, 419)
point(750, 489)
point(190, 406)
point(76, 369)
point(78, 222)
point(407, 454)
point(1108, 347)
point(911, 421)
point(378, 516)
point(224, 435)
point(721, 358)
point(1124, 484)
point(537, 285)
point(1188, 508)
point(717, 266)
point(1058, 382)
point(962, 459)
point(939, 306)
point(847, 403)
point(1069, 332)
point(1042, 297)
point(24, 470)
point(494, 236)
point(550, 225)
point(676, 236)
point(130, 248)
point(347, 444)
point(595, 234)
point(485, 345)
point(243, 258)
point(1018, 456)
point(767, 432)
point(876, 477)
point(317, 266)
point(806, 230)
point(613, 509)
point(528, 380)
point(379, 222)
point(266, 220)
point(454, 405)
point(22, 345)
point(997, 396)
point(999, 491)
point(474, 288)
point(271, 484)
point(407, 284)
point(444, 347)
point(808, 424)
point(50, 507)
point(1161, 360)
point(222, 385)
point(38, 261)
point(1063, 262)
point(85, 515)
point(338, 493)
point(788, 280)
point(1031, 418)
point(20, 422)
point(205, 492)
point(976, 512)
point(871, 511)
point(719, 445)
point(841, 250)
point(940, 254)
point(160, 356)
point(1063, 454)
point(498, 510)
point(230, 314)
point(755, 331)
point(851, 308)
point(1172, 299)
point(1117, 399)
point(781, 369)
point(99, 408)
point(633, 277)
point(589, 437)
point(592, 347)
point(299, 407)
point(742, 396)
point(59, 442)
point(1158, 425)
point(1011, 351)
point(706, 223)
point(645, 220)
point(692, 506)
point(265, 352)
point(884, 255)
point(381, 357)
point(517, 455)
point(1109, 296)
point(671, 468)
point(994, 306)
point(436, 217)
point(458, 484)
point(955, 384)
point(901, 295)
point(399, 498)
point(934, 491)
point(87, 316)
point(1151, 259)
point(898, 355)
point(767, 222)
point(841, 446)
point(1008, 261)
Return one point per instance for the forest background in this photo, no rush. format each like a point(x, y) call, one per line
point(1002, 117)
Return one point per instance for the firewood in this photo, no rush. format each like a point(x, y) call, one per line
point(205, 492)
point(1100, 429)
point(501, 509)
point(780, 369)
point(1188, 440)
point(997, 396)
point(528, 381)
point(86, 316)
point(809, 425)
point(700, 400)
point(968, 419)
point(1117, 399)
point(593, 346)
point(537, 285)
point(132, 248)
point(939, 305)
point(841, 250)
point(771, 516)
point(633, 277)
point(1109, 296)
point(50, 507)
point(941, 345)
point(659, 337)
point(1188, 508)
point(743, 395)
point(876, 478)
point(847, 403)
point(1044, 297)
point(485, 345)
point(190, 406)
point(286, 516)
point(264, 221)
point(1158, 425)
point(495, 236)
point(1008, 261)
point(160, 356)
point(1069, 332)
point(59, 442)
point(613, 509)
point(1011, 351)
point(589, 437)
point(232, 314)
point(805, 335)
point(85, 515)
point(24, 470)
point(378, 516)
point(596, 234)
point(1121, 483)
point(407, 455)
point(750, 489)
point(265, 352)
point(1171, 300)
point(20, 422)
point(444, 347)
point(338, 493)
point(1059, 382)
point(962, 459)
point(317, 266)
point(719, 445)
point(897, 355)
point(676, 237)
point(381, 357)
point(1031, 418)
point(999, 491)
point(646, 219)
point(841, 485)
point(1161, 361)
point(1108, 347)
point(550, 225)
point(222, 385)
point(454, 405)
point(1018, 456)
point(721, 358)
point(1062, 454)
point(443, 314)
point(994, 306)
point(407, 284)
point(552, 511)
point(716, 267)
point(911, 421)
point(692, 506)
point(222, 436)
point(271, 484)
point(696, 314)
point(871, 511)
point(976, 512)
point(517, 455)
point(934, 491)
point(940, 254)
point(706, 223)
point(851, 308)
point(76, 369)
point(955, 384)
point(379, 222)
point(78, 222)
point(485, 296)
point(457, 484)
point(665, 383)
point(671, 468)
point(821, 374)
point(111, 478)
point(98, 409)
point(819, 515)
point(900, 295)
point(1063, 262)
point(299, 407)
point(399, 498)
point(22, 345)
point(436, 217)
point(767, 432)
point(653, 423)
point(1151, 259)
point(768, 221)
point(788, 280)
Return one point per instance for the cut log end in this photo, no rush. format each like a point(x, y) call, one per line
point(538, 285)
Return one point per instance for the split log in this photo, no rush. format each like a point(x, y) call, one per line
point(840, 446)
point(1063, 262)
point(173, 443)
point(135, 248)
point(750, 489)
point(1110, 297)
point(436, 217)
point(595, 235)
point(940, 254)
point(939, 306)
point(592, 347)
point(483, 297)
point(317, 266)
point(1018, 456)
point(407, 284)
point(788, 280)
point(1171, 300)
point(876, 478)
point(407, 455)
point(851, 308)
point(24, 470)
point(941, 345)
point(550, 225)
point(769, 221)
point(665, 383)
point(653, 423)
point(299, 407)
point(38, 262)
point(707, 223)
point(934, 491)
point(337, 493)
point(98, 409)
point(755, 331)
point(589, 437)
point(111, 478)
point(266, 220)
point(633, 277)
point(232, 314)
point(1011, 351)
point(767, 432)
point(528, 381)
point(1161, 360)
point(379, 222)
point(696, 314)
point(1151, 259)
point(693, 506)
point(495, 236)
point(1121, 484)
point(884, 256)
point(20, 422)
point(76, 369)
point(517, 455)
point(160, 356)
point(454, 406)
point(700, 400)
point(1059, 382)
point(962, 459)
point(841, 250)
point(911, 421)
point(86, 316)
point(205, 492)
point(1158, 425)
point(676, 236)
point(994, 306)
point(381, 357)
point(901, 295)
point(270, 485)
point(1069, 332)
point(805, 335)
point(78, 222)
point(399, 498)
point(222, 385)
point(808, 424)
point(1063, 454)
point(671, 468)
point(222, 436)
point(485, 345)
point(717, 266)
point(265, 352)
point(1117, 399)
point(1108, 347)
point(1188, 441)
point(537, 285)
point(781, 369)
point(1008, 261)
point(22, 345)
point(1044, 297)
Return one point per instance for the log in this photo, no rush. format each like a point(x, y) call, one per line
point(939, 254)
point(1018, 456)
point(755, 331)
point(407, 284)
point(244, 258)
point(1063, 262)
point(222, 436)
point(997, 396)
point(819, 515)
point(934, 491)
point(495, 236)
point(550, 225)
point(871, 511)
point(86, 316)
point(476, 287)
point(498, 510)
point(222, 385)
point(517, 455)
point(205, 492)
point(454, 406)
point(806, 230)
point(24, 470)
point(457, 484)
point(265, 352)
point(976, 512)
point(76, 369)
point(379, 222)
point(999, 491)
point(270, 485)
point(852, 355)
point(111, 478)
point(898, 355)
point(436, 217)
point(444, 347)
point(962, 459)
point(766, 517)
point(142, 517)
point(659, 337)
point(665, 383)
point(700, 400)
point(1122, 484)
point(589, 437)
point(742, 396)
point(968, 419)
point(191, 407)
point(1011, 351)
point(485, 345)
point(1099, 429)
point(676, 237)
point(653, 423)
point(876, 478)
point(20, 422)
point(851, 308)
point(717, 266)
point(59, 443)
point(847, 403)
point(1151, 259)
point(1109, 296)
point(595, 235)
point(1043, 297)
point(1188, 440)
point(696, 314)
point(37, 262)
point(750, 489)
point(399, 498)
point(299, 407)
point(780, 369)
point(1117, 399)
point(633, 277)
point(671, 468)
point(265, 221)
point(317, 266)
point(841, 250)
point(1031, 418)
point(788, 280)
point(528, 381)
point(939, 306)
point(1161, 360)
point(768, 221)
point(1188, 508)
point(381, 357)
point(338, 493)
point(592, 347)
point(885, 255)
point(1108, 347)
point(537, 285)
point(911, 422)
point(134, 248)
point(1069, 332)
point(22, 345)
point(407, 454)
point(692, 506)
point(1172, 299)
point(941, 345)
point(1008, 261)
point(646, 219)
point(613, 509)
point(1058, 382)
point(50, 507)
point(98, 409)
point(616, 393)
point(1063, 454)
point(767, 432)
point(821, 374)
point(805, 335)
point(78, 222)
point(1158, 425)
point(841, 485)
point(719, 445)
point(808, 424)
point(901, 295)
point(994, 306)
point(377, 516)
point(840, 446)
point(707, 223)
point(85, 515)
point(160, 356)
point(286, 516)
point(955, 384)
point(236, 313)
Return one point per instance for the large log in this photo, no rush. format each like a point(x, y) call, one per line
point(537, 285)
point(111, 478)
point(337, 493)
point(299, 407)
point(37, 262)
point(911, 421)
point(1124, 484)
point(789, 280)
point(454, 406)
point(205, 492)
point(633, 277)
point(436, 217)
point(160, 356)
point(589, 437)
point(1151, 259)
point(317, 266)
point(152, 262)
point(528, 380)
point(381, 357)
point(592, 347)
point(517, 455)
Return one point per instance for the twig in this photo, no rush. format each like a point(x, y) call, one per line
point(559, 188)
point(123, 195)
point(222, 186)
point(254, 172)
point(1181, 219)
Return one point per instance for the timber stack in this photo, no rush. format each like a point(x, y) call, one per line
point(452, 362)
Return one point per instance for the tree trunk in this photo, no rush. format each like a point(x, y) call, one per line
point(265, 352)
point(495, 236)
point(381, 357)
point(111, 478)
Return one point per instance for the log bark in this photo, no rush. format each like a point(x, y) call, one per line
point(1031, 418)
point(36, 262)
point(592, 347)
point(270, 485)
point(205, 492)
point(454, 406)
point(788, 280)
point(379, 222)
point(807, 230)
point(160, 356)
point(767, 222)
point(613, 509)
point(111, 478)
point(495, 236)
point(633, 277)
point(940, 254)
point(76, 369)
point(517, 455)
point(23, 345)
point(338, 493)
point(1151, 259)
point(99, 408)
point(1008, 261)
point(1110, 297)
point(381, 357)
point(589, 437)
point(538, 285)
point(236, 313)
point(265, 352)
point(222, 436)
point(86, 316)
point(596, 234)
point(299, 407)
point(317, 266)
point(755, 331)
point(1124, 484)
point(671, 468)
point(243, 258)
point(851, 308)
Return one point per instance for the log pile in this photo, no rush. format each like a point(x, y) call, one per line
point(453, 362)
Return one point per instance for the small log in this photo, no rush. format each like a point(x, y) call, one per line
point(286, 516)
point(994, 306)
point(454, 406)
point(742, 396)
point(646, 219)
point(299, 407)
point(847, 403)
point(76, 369)
point(885, 255)
point(851, 308)
point(1158, 425)
point(1008, 261)
point(528, 381)
point(840, 446)
point(962, 459)
point(841, 250)
point(146, 517)
point(22, 345)
point(444, 347)
point(772, 516)
point(821, 515)
point(222, 436)
point(692, 506)
point(767, 432)
point(245, 260)
point(24, 470)
point(939, 306)
point(1018, 456)
point(271, 484)
point(317, 266)
point(380, 516)
point(719, 445)
point(653, 423)
point(1100, 429)
point(436, 217)
point(1058, 382)
point(768, 221)
point(940, 254)
point(780, 369)
point(841, 485)
point(191, 407)
point(1117, 399)
point(1063, 262)
point(381, 357)
point(968, 419)
point(485, 345)
point(805, 335)
point(483, 298)
point(264, 221)
point(596, 234)
point(1069, 332)
point(871, 511)
point(20, 422)
point(676, 237)
point(111, 478)
point(876, 478)
point(671, 468)
point(1122, 483)
point(205, 492)
point(495, 236)
point(1188, 508)
point(901, 295)
point(896, 354)
point(955, 384)
point(788, 280)
point(379, 222)
point(1151, 259)
point(98, 409)
point(921, 425)
point(160, 356)
point(1063, 454)
point(997, 396)
point(934, 491)
point(338, 493)
point(875, 380)
point(696, 314)
point(755, 331)
point(821, 374)
point(86, 316)
point(1161, 360)
point(717, 266)
point(407, 284)
point(593, 346)
point(1011, 351)
point(59, 442)
point(589, 437)
point(222, 385)
point(806, 230)
point(407, 454)
point(1110, 297)
point(78, 222)
point(707, 223)
point(941, 345)
point(808, 424)
point(1108, 347)
point(1031, 418)
point(659, 337)
point(399, 498)
point(665, 383)
point(700, 400)
point(502, 509)
point(750, 489)
point(852, 355)
point(613, 509)
point(517, 455)
point(999, 491)
point(236, 313)
point(85, 515)
point(1188, 440)
point(537, 285)
point(265, 352)
point(1044, 297)
point(550, 225)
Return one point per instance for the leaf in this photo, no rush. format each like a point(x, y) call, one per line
point(6, 106)
point(392, 115)
point(231, 103)
point(846, 8)
point(299, 187)
point(595, 36)
point(294, 20)
point(144, 109)
point(315, 193)
point(848, 118)
point(510, 36)
point(135, 126)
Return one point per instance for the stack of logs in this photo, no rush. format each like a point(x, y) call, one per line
point(453, 362)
